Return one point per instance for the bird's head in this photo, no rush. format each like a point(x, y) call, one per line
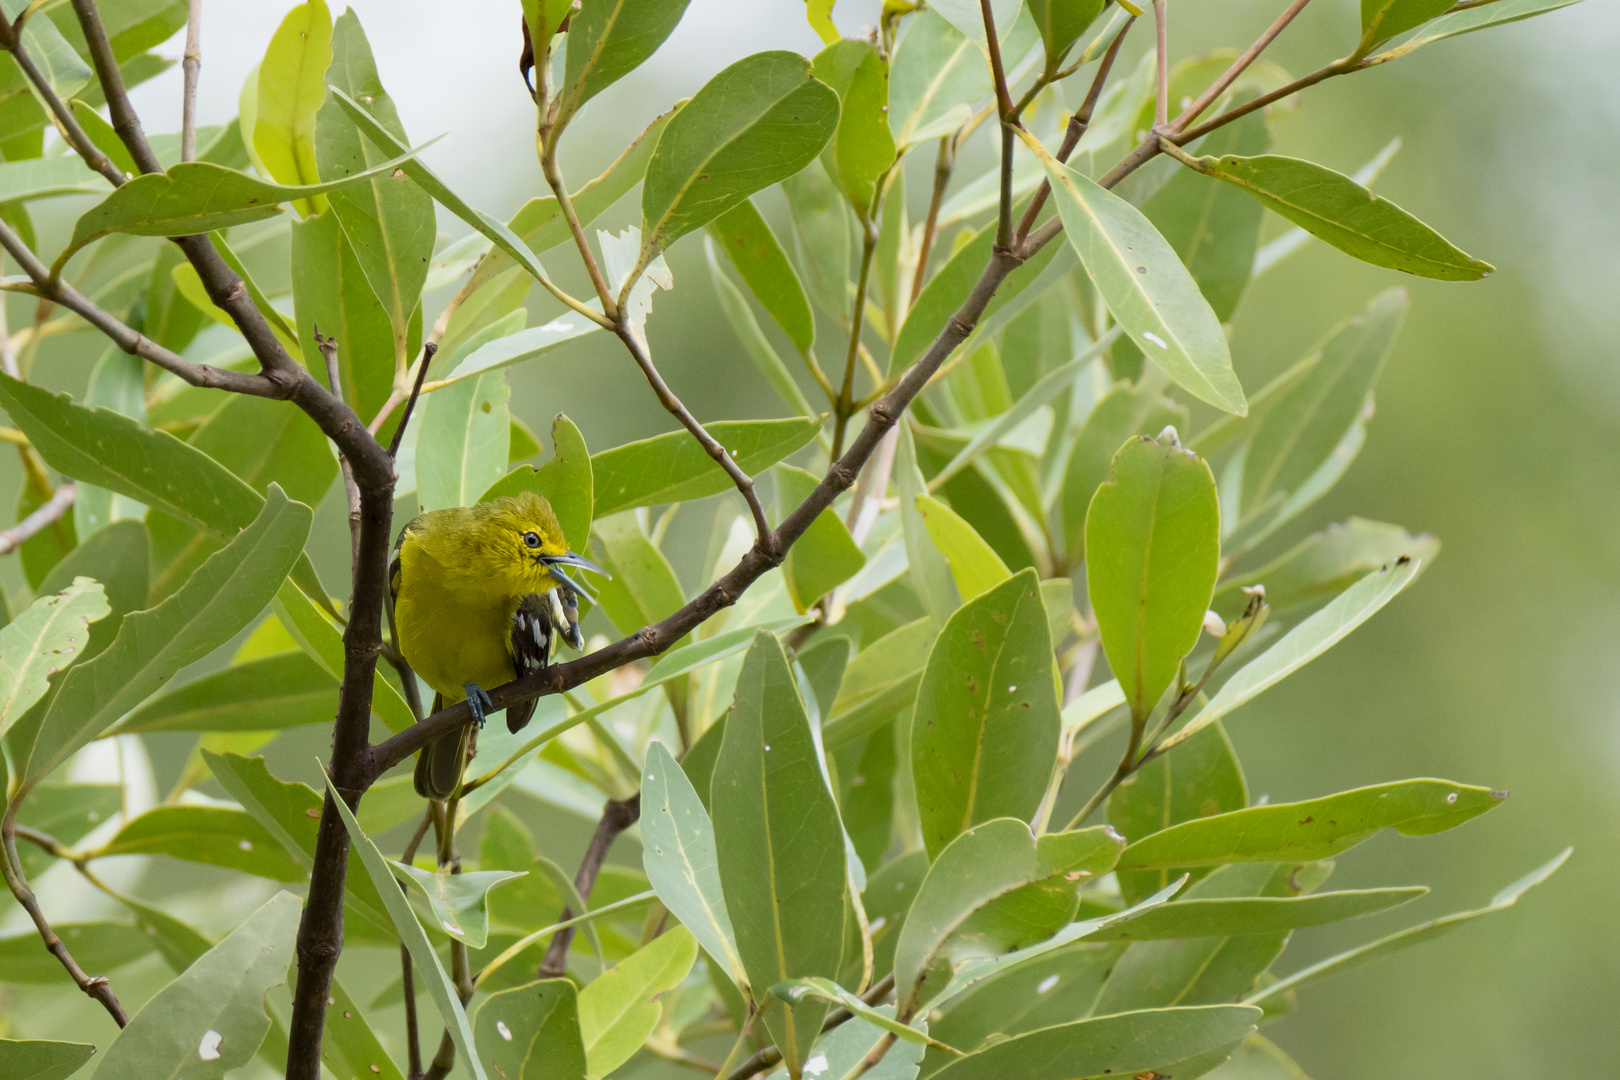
point(530, 540)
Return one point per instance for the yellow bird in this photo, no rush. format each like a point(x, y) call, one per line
point(480, 598)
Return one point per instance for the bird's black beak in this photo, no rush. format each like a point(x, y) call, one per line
point(570, 559)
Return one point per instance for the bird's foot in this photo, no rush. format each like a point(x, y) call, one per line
point(478, 702)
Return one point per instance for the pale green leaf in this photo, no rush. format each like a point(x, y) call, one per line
point(754, 250)
point(861, 148)
point(676, 468)
point(531, 1032)
point(975, 567)
point(608, 39)
point(44, 639)
point(1125, 411)
point(565, 481)
point(43, 178)
point(1475, 18)
point(928, 570)
point(322, 642)
point(273, 692)
point(36, 1059)
point(291, 85)
point(212, 835)
point(936, 80)
point(462, 447)
point(1061, 22)
point(1326, 563)
point(741, 317)
point(1256, 915)
point(619, 1008)
point(457, 903)
point(98, 946)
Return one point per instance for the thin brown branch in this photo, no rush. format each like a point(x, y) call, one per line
point(65, 120)
point(334, 378)
point(998, 70)
point(47, 515)
point(97, 986)
point(1239, 66)
point(1338, 67)
point(1009, 118)
point(944, 162)
point(190, 67)
point(844, 407)
point(1161, 59)
point(554, 177)
point(617, 816)
point(428, 352)
point(413, 1042)
point(667, 398)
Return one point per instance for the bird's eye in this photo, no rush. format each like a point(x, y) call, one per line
point(531, 539)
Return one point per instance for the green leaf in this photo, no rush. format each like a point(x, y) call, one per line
point(987, 862)
point(531, 1032)
point(291, 87)
point(458, 903)
point(968, 17)
point(937, 77)
point(221, 598)
point(880, 681)
point(1125, 1043)
point(198, 197)
point(678, 852)
point(975, 567)
point(518, 348)
point(330, 293)
point(387, 217)
point(323, 643)
point(643, 588)
point(1207, 970)
point(1476, 18)
point(846, 1046)
point(44, 639)
point(821, 237)
point(1336, 209)
point(565, 481)
point(1326, 563)
point(1061, 22)
point(754, 250)
point(1384, 19)
point(98, 946)
point(619, 1008)
point(461, 451)
point(213, 835)
point(44, 178)
point(53, 55)
point(38, 1059)
point(608, 39)
point(1127, 410)
point(212, 1018)
point(349, 1047)
point(415, 940)
point(826, 990)
point(779, 843)
point(1147, 289)
point(1415, 935)
point(1258, 1058)
point(1302, 429)
point(984, 736)
point(757, 122)
point(117, 382)
point(1152, 546)
point(928, 570)
point(1201, 779)
point(861, 148)
point(1305, 642)
point(675, 468)
point(67, 812)
point(1257, 915)
point(177, 943)
point(826, 555)
point(273, 692)
point(758, 347)
point(1317, 829)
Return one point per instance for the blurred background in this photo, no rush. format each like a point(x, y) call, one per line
point(1498, 430)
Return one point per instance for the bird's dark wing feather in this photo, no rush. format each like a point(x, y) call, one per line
point(533, 632)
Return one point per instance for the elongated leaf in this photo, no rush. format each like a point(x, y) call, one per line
point(1318, 829)
point(531, 1032)
point(1207, 970)
point(177, 943)
point(1147, 289)
point(937, 77)
point(644, 588)
point(1152, 546)
point(98, 946)
point(565, 481)
point(117, 382)
point(1127, 410)
point(1326, 563)
point(1061, 22)
point(291, 86)
point(462, 448)
point(387, 217)
point(779, 843)
point(826, 555)
point(212, 1018)
point(38, 1059)
point(1258, 1058)
point(975, 567)
point(349, 1047)
point(323, 643)
point(1257, 915)
point(1291, 241)
point(1411, 936)
point(1305, 642)
point(331, 294)
point(214, 835)
point(1201, 779)
point(675, 468)
point(985, 732)
point(1477, 18)
point(833, 994)
point(198, 197)
point(861, 148)
point(1123, 1044)
point(520, 347)
point(45, 639)
point(754, 250)
point(758, 347)
point(428, 967)
point(1384, 19)
point(222, 597)
point(279, 691)
point(842, 1050)
point(67, 812)
point(44, 178)
point(458, 903)
point(985, 863)
point(1303, 427)
point(618, 1009)
point(928, 570)
point(678, 852)
point(1336, 209)
point(608, 39)
point(757, 122)
point(968, 17)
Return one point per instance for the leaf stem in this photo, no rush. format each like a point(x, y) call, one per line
point(844, 408)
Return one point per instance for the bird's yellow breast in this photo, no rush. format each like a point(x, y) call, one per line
point(454, 604)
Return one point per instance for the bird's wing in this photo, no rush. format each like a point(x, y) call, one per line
point(530, 643)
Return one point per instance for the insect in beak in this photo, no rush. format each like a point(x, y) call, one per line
point(570, 559)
